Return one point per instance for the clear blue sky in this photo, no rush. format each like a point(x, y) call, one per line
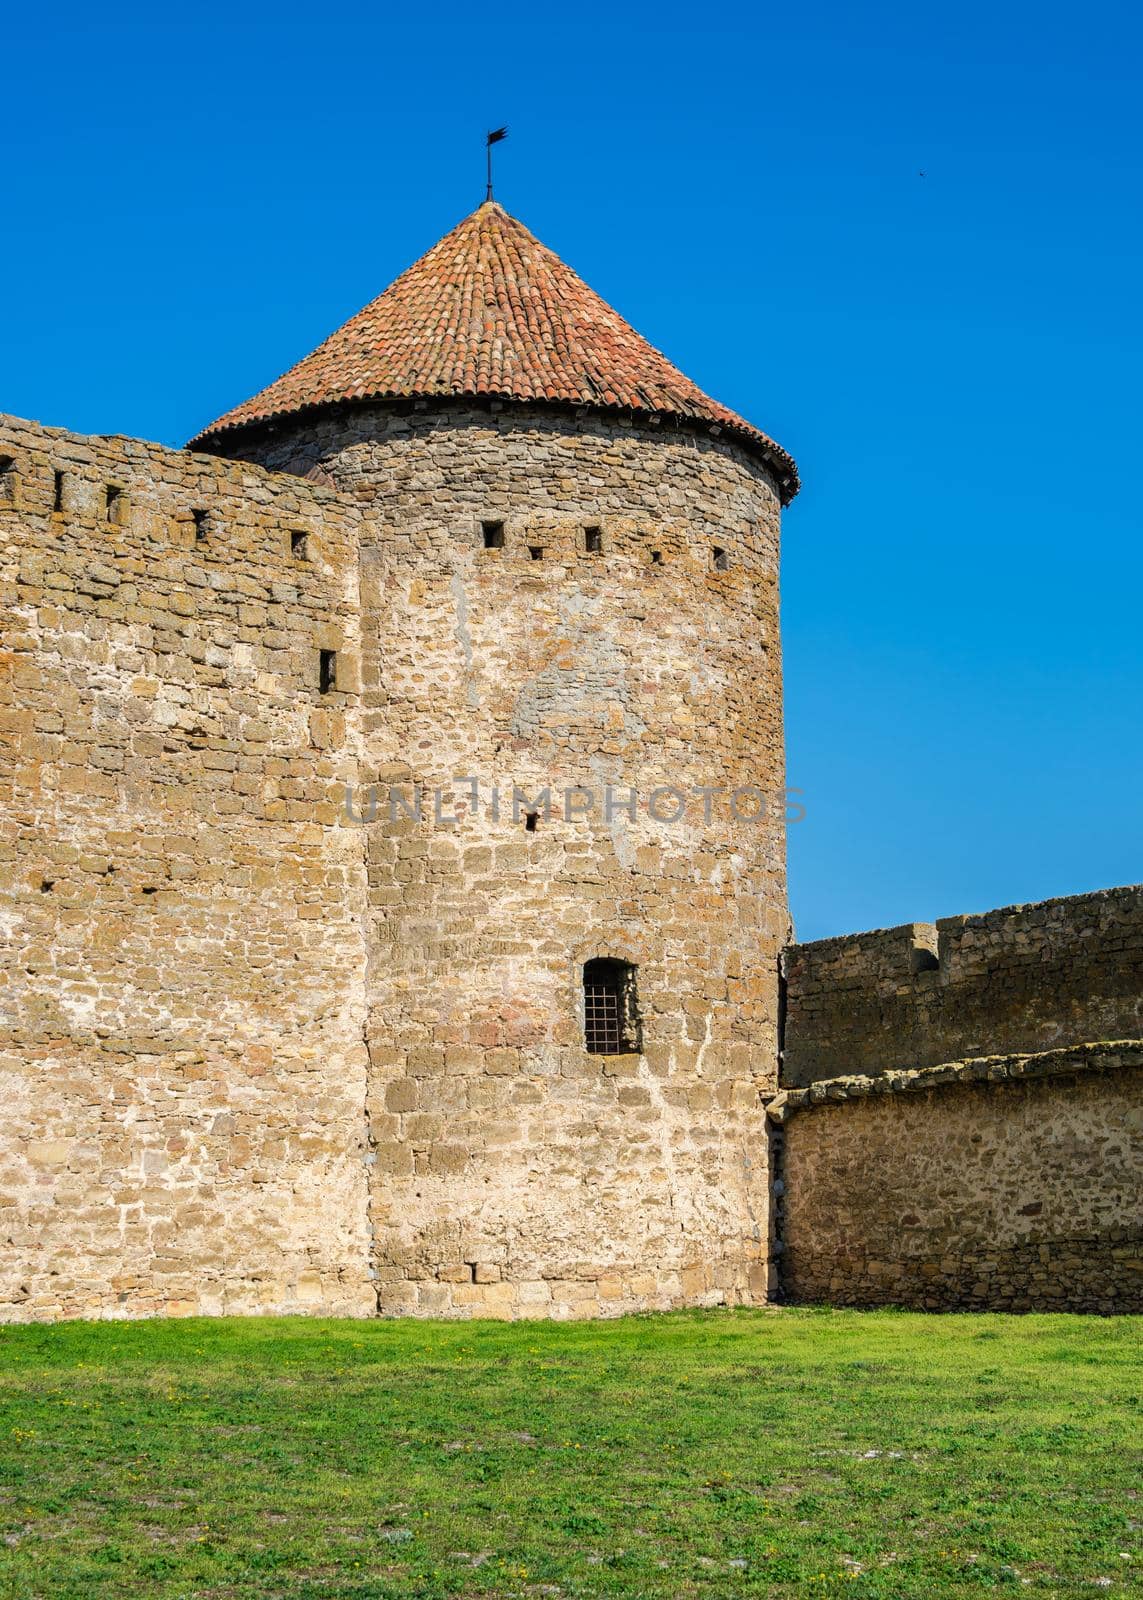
point(190, 205)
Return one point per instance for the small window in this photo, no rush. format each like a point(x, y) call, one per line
point(7, 477)
point(721, 559)
point(114, 503)
point(327, 671)
point(531, 818)
point(493, 535)
point(201, 525)
point(656, 558)
point(58, 492)
point(536, 552)
point(299, 544)
point(593, 541)
point(610, 1011)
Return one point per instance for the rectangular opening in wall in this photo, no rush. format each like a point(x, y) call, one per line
point(593, 541)
point(201, 525)
point(536, 552)
point(531, 819)
point(299, 544)
point(610, 1007)
point(493, 533)
point(7, 477)
point(114, 503)
point(721, 559)
point(327, 671)
point(656, 558)
point(57, 491)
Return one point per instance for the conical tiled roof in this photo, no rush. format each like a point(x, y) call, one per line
point(490, 311)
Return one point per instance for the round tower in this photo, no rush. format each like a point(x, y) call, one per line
point(571, 708)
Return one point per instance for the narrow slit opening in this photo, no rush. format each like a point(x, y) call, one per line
point(327, 671)
point(493, 533)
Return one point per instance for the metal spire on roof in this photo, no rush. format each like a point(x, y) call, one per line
point(494, 137)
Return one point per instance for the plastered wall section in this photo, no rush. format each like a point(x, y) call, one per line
point(1005, 1184)
point(516, 1173)
point(1022, 978)
point(182, 961)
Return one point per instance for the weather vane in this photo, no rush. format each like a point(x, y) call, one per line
point(489, 140)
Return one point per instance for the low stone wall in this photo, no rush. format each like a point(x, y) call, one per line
point(1022, 979)
point(1008, 1183)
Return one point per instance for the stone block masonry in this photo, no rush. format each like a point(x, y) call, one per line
point(1024, 978)
point(264, 1050)
point(1010, 1183)
point(517, 1173)
point(182, 990)
point(257, 1057)
point(260, 1057)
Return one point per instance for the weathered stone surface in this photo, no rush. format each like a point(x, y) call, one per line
point(182, 991)
point(257, 1054)
point(573, 669)
point(1009, 1183)
point(1024, 978)
point(263, 1057)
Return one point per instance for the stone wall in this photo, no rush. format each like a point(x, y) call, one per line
point(182, 991)
point(516, 1173)
point(257, 1056)
point(1006, 1184)
point(1024, 978)
point(225, 1005)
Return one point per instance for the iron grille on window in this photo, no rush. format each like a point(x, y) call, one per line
point(610, 1024)
point(601, 1019)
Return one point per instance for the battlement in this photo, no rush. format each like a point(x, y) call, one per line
point(50, 477)
point(241, 576)
point(1022, 978)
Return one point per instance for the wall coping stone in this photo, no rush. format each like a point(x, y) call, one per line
point(1111, 1055)
point(1117, 897)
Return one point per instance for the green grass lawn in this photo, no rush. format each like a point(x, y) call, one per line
point(796, 1452)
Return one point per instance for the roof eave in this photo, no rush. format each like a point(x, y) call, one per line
point(778, 462)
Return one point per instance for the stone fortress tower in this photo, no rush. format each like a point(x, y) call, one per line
point(392, 875)
point(568, 595)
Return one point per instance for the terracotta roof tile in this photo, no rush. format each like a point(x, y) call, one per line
point(490, 311)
